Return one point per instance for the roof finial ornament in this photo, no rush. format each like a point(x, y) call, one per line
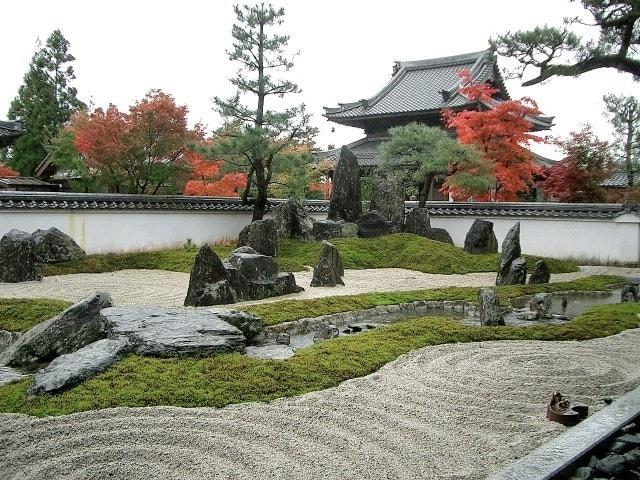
point(396, 67)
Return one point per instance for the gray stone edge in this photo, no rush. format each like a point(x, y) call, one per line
point(558, 456)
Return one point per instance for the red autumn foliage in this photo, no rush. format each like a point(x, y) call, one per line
point(500, 130)
point(322, 187)
point(577, 177)
point(140, 150)
point(7, 172)
point(206, 179)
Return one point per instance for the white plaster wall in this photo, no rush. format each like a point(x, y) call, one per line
point(600, 241)
point(99, 231)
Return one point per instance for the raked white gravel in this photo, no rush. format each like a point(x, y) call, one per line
point(460, 411)
point(163, 288)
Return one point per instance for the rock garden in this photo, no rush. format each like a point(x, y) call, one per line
point(227, 338)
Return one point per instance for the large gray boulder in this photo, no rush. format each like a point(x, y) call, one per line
point(262, 236)
point(345, 202)
point(252, 265)
point(208, 283)
point(373, 225)
point(329, 270)
point(541, 273)
point(326, 229)
point(510, 251)
point(387, 199)
point(173, 332)
point(417, 222)
point(480, 238)
point(437, 234)
point(52, 245)
point(69, 370)
point(293, 221)
point(18, 261)
point(77, 326)
point(517, 272)
point(489, 308)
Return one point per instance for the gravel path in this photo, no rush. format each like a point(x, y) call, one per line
point(159, 287)
point(460, 411)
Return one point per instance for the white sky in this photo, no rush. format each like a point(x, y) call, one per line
point(347, 48)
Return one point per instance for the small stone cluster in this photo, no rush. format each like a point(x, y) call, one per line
point(513, 267)
point(619, 461)
point(90, 336)
point(22, 254)
point(244, 275)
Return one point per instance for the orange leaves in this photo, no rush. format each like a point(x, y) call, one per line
point(500, 130)
point(7, 172)
point(206, 179)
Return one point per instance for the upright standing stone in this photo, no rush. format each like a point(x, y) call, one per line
point(346, 201)
point(208, 283)
point(510, 251)
point(541, 305)
point(52, 245)
point(387, 199)
point(517, 272)
point(480, 238)
point(541, 273)
point(18, 261)
point(292, 220)
point(417, 222)
point(261, 235)
point(329, 269)
point(489, 308)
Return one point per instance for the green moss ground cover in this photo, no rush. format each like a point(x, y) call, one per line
point(20, 314)
point(228, 379)
point(400, 250)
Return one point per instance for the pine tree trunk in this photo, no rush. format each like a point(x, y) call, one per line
point(426, 188)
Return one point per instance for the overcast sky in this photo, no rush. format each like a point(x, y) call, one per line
point(347, 48)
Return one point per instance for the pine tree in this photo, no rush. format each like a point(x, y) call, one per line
point(256, 138)
point(44, 102)
point(624, 114)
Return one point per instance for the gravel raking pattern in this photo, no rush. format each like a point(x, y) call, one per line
point(458, 411)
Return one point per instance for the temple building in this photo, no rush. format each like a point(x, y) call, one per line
point(9, 132)
point(418, 92)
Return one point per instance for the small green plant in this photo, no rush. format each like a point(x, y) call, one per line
point(189, 246)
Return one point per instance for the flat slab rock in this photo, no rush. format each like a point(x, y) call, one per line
point(69, 370)
point(173, 332)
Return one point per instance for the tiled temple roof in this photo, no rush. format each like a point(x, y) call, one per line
point(30, 201)
point(428, 86)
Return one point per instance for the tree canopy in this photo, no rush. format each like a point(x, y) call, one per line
point(501, 131)
point(45, 101)
point(425, 152)
point(257, 137)
point(140, 151)
point(624, 113)
point(560, 51)
point(577, 177)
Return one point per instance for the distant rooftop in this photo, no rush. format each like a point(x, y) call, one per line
point(9, 131)
point(424, 86)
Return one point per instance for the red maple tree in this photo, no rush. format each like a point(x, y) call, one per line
point(577, 177)
point(7, 172)
point(500, 130)
point(140, 151)
point(207, 180)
